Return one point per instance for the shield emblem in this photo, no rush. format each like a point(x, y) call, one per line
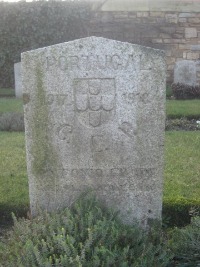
point(94, 100)
point(82, 102)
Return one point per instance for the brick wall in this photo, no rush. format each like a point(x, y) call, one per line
point(178, 33)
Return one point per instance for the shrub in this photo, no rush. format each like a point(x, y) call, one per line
point(181, 124)
point(85, 235)
point(182, 91)
point(179, 211)
point(169, 92)
point(31, 25)
point(186, 244)
point(12, 122)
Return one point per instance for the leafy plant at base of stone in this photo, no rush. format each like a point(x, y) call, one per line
point(85, 235)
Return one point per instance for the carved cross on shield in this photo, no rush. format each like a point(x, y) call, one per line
point(94, 100)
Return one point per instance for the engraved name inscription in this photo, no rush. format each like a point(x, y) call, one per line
point(89, 62)
point(52, 99)
point(135, 97)
point(130, 172)
point(123, 177)
point(57, 99)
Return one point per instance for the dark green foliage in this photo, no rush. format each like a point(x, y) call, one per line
point(179, 211)
point(13, 122)
point(7, 92)
point(182, 124)
point(182, 91)
point(88, 235)
point(185, 244)
point(26, 26)
point(169, 93)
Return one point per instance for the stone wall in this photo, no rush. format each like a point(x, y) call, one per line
point(178, 33)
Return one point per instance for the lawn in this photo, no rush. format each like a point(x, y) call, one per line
point(7, 91)
point(182, 169)
point(13, 175)
point(10, 105)
point(174, 108)
point(183, 108)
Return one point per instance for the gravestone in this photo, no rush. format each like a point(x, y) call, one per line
point(18, 82)
point(187, 72)
point(95, 118)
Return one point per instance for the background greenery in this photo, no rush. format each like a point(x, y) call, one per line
point(7, 92)
point(182, 168)
point(13, 175)
point(183, 108)
point(26, 26)
point(11, 105)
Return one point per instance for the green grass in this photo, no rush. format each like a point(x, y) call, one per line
point(174, 108)
point(10, 105)
point(7, 92)
point(182, 169)
point(183, 108)
point(13, 175)
point(182, 166)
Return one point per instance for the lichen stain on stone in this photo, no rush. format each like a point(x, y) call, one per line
point(45, 159)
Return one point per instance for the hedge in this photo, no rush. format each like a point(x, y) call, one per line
point(25, 26)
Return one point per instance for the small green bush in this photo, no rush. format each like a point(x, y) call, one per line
point(185, 244)
point(182, 124)
point(169, 92)
point(13, 122)
point(182, 91)
point(179, 211)
point(86, 235)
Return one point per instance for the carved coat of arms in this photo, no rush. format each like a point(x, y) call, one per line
point(94, 100)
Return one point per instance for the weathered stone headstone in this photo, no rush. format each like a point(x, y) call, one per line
point(187, 72)
point(95, 118)
point(18, 82)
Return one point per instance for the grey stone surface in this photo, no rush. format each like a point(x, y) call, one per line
point(190, 32)
point(18, 80)
point(95, 118)
point(195, 47)
point(185, 72)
